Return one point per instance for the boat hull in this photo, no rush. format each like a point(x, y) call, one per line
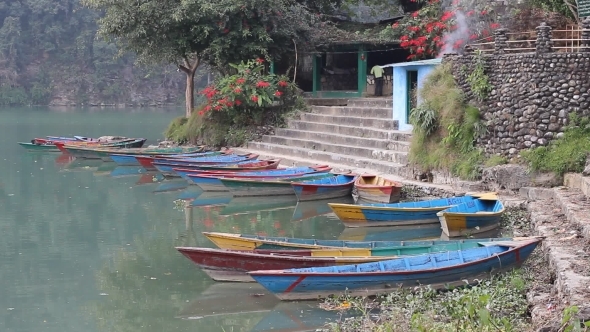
point(440, 270)
point(454, 225)
point(361, 216)
point(124, 160)
point(254, 188)
point(324, 188)
point(39, 147)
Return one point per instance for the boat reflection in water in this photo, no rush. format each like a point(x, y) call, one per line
point(150, 178)
point(171, 185)
point(391, 233)
point(127, 171)
point(211, 198)
point(306, 210)
point(243, 205)
point(250, 307)
point(190, 193)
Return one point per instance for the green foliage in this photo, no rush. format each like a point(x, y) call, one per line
point(566, 154)
point(495, 160)
point(558, 6)
point(570, 323)
point(176, 130)
point(445, 128)
point(477, 79)
point(10, 96)
point(498, 304)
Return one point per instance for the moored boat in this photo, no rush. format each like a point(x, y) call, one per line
point(378, 189)
point(212, 181)
point(232, 265)
point(122, 158)
point(247, 166)
point(478, 216)
point(246, 242)
point(451, 268)
point(94, 151)
point(45, 147)
point(147, 161)
point(267, 187)
point(325, 188)
point(395, 214)
point(166, 166)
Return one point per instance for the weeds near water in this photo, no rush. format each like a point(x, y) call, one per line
point(496, 304)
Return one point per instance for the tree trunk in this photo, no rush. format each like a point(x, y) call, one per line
point(190, 93)
point(189, 68)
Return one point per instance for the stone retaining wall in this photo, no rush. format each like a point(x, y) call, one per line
point(533, 94)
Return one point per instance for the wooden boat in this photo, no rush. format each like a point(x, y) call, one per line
point(39, 147)
point(123, 159)
point(396, 214)
point(232, 265)
point(52, 139)
point(478, 216)
point(212, 181)
point(267, 187)
point(147, 161)
point(245, 242)
point(92, 152)
point(166, 166)
point(247, 166)
point(325, 188)
point(375, 188)
point(119, 143)
point(451, 268)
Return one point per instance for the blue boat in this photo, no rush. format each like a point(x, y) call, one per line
point(124, 159)
point(166, 166)
point(478, 216)
point(395, 214)
point(211, 182)
point(451, 268)
point(325, 188)
point(127, 170)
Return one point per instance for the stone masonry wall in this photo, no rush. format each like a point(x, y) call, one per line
point(533, 94)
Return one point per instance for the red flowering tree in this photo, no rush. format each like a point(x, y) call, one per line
point(249, 94)
point(432, 29)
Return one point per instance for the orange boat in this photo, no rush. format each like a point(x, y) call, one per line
point(375, 188)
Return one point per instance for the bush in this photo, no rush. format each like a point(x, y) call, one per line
point(236, 105)
point(446, 128)
point(566, 154)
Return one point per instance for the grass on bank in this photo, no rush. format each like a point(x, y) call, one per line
point(446, 128)
point(566, 154)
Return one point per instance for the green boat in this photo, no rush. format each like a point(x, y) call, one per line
point(39, 147)
point(260, 187)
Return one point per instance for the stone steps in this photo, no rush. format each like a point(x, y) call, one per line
point(327, 151)
point(293, 137)
point(363, 112)
point(371, 102)
point(561, 215)
point(365, 132)
point(350, 121)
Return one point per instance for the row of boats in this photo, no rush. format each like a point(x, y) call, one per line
point(309, 268)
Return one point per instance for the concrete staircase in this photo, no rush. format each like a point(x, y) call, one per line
point(361, 134)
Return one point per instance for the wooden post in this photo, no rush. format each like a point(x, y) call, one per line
point(362, 70)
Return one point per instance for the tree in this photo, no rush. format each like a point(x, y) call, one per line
point(190, 32)
point(157, 31)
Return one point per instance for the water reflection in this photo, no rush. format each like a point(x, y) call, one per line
point(307, 210)
point(249, 307)
point(127, 170)
point(170, 186)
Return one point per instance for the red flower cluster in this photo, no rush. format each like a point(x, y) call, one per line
point(262, 84)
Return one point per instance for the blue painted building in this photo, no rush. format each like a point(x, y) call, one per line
point(406, 77)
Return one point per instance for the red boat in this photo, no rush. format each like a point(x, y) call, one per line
point(233, 265)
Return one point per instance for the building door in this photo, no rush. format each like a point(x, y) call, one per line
point(412, 91)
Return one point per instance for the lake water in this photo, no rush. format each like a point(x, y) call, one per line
point(85, 246)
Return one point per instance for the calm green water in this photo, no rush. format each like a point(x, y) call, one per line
point(83, 250)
